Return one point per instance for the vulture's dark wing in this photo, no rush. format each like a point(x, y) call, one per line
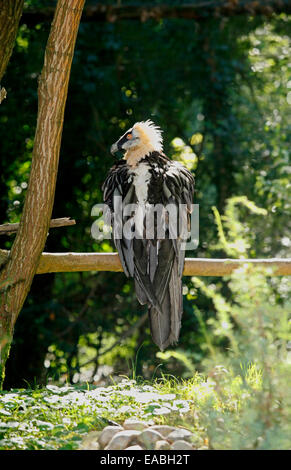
point(119, 191)
point(155, 264)
point(167, 262)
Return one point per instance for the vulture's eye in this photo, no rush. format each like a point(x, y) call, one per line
point(129, 136)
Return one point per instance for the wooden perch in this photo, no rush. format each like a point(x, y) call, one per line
point(73, 262)
point(69, 262)
point(145, 11)
point(7, 229)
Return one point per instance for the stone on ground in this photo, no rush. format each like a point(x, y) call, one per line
point(179, 434)
point(134, 424)
point(149, 437)
point(181, 445)
point(90, 442)
point(136, 447)
point(162, 445)
point(107, 434)
point(122, 439)
point(163, 429)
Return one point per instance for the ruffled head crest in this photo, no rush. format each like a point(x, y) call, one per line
point(150, 133)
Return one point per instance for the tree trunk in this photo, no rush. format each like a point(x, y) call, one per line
point(10, 13)
point(18, 272)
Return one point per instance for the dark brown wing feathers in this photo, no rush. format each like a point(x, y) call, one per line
point(155, 265)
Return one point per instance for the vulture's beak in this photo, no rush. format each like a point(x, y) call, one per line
point(114, 148)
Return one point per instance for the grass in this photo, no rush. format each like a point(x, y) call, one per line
point(58, 417)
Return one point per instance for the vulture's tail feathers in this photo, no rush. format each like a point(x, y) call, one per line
point(176, 302)
point(165, 325)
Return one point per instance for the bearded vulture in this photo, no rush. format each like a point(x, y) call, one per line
point(150, 249)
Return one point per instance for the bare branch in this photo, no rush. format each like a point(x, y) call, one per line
point(7, 229)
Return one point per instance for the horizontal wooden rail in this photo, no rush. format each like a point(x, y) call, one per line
point(7, 229)
point(69, 262)
point(72, 262)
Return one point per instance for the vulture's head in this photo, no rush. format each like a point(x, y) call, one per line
point(144, 137)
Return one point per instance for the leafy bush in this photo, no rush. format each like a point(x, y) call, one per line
point(246, 348)
point(254, 373)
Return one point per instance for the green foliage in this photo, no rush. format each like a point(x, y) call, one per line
point(243, 401)
point(257, 358)
point(238, 242)
point(247, 350)
point(59, 417)
point(219, 90)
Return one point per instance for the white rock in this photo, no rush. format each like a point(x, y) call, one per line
point(107, 434)
point(122, 439)
point(181, 445)
point(149, 437)
point(136, 447)
point(179, 434)
point(92, 446)
point(163, 429)
point(162, 445)
point(134, 424)
point(90, 442)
